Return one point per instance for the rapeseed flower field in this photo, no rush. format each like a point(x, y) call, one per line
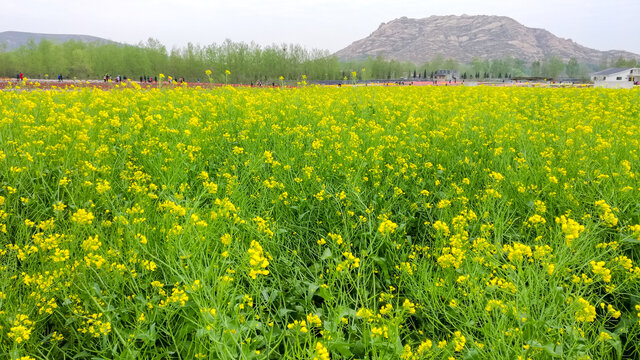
point(320, 223)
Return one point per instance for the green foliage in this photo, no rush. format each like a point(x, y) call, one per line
point(246, 62)
point(626, 63)
point(552, 67)
point(573, 68)
point(250, 62)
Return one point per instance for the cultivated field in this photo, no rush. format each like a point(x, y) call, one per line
point(320, 223)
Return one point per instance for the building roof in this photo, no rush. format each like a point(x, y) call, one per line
point(534, 78)
point(445, 72)
point(611, 71)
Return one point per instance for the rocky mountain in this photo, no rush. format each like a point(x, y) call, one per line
point(465, 37)
point(11, 40)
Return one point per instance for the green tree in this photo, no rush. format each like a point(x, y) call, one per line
point(625, 63)
point(553, 67)
point(573, 68)
point(536, 68)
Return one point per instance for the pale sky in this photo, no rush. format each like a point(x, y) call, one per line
point(322, 24)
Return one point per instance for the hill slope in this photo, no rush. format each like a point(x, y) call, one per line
point(11, 40)
point(465, 37)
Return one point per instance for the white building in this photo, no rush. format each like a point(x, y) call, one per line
point(446, 75)
point(620, 78)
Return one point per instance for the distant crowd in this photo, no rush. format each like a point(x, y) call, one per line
point(20, 77)
point(143, 78)
point(117, 79)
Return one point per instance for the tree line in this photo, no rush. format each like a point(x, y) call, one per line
point(250, 62)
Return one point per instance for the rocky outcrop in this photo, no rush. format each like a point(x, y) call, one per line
point(466, 37)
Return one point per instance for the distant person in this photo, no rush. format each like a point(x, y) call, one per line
point(18, 77)
point(59, 77)
point(21, 76)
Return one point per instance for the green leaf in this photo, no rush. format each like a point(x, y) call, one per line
point(552, 349)
point(342, 348)
point(471, 354)
point(630, 240)
point(269, 294)
point(148, 336)
point(82, 354)
point(615, 342)
point(311, 290)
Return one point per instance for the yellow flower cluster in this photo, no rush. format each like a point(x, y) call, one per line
point(635, 229)
point(94, 326)
point(350, 262)
point(453, 257)
point(536, 220)
point(459, 340)
point(321, 352)
point(409, 306)
point(300, 325)
point(598, 268)
point(606, 213)
point(257, 262)
point(314, 320)
point(495, 304)
point(381, 331)
point(21, 328)
point(586, 312)
point(441, 226)
point(604, 337)
point(387, 227)
point(82, 217)
point(517, 252)
point(570, 228)
point(178, 296)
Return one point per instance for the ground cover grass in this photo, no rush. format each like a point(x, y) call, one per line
point(320, 223)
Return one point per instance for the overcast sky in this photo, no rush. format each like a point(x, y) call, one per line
point(323, 24)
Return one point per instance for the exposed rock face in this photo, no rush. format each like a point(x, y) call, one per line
point(465, 37)
point(12, 40)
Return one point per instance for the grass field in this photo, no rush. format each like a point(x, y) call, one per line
point(320, 223)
